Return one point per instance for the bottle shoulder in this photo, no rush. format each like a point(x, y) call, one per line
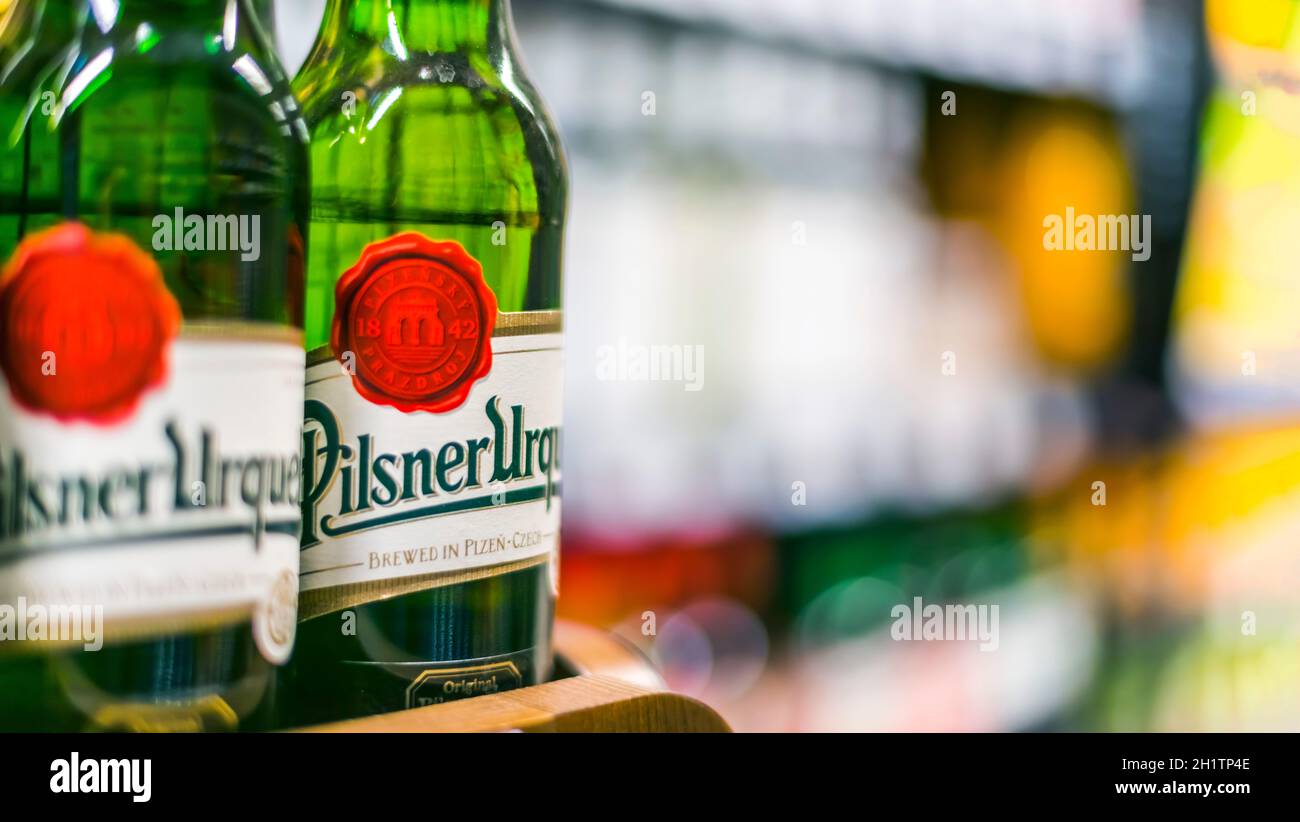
point(172, 74)
point(356, 91)
point(435, 129)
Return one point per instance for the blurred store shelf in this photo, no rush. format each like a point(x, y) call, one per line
point(1087, 49)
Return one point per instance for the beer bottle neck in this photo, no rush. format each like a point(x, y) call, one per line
point(265, 12)
point(422, 26)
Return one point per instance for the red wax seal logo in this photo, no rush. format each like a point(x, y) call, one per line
point(417, 319)
point(85, 324)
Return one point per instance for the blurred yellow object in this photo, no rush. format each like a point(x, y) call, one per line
point(1105, 525)
point(207, 713)
point(1233, 515)
point(1231, 683)
point(1256, 46)
point(1235, 349)
point(1076, 303)
point(1254, 22)
point(1235, 329)
point(8, 23)
point(1211, 524)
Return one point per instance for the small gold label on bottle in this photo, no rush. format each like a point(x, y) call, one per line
point(438, 685)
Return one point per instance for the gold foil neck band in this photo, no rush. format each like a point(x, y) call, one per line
point(240, 331)
point(519, 323)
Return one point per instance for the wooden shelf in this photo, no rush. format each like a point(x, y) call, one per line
point(606, 685)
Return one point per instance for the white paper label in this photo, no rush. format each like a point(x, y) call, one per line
point(184, 512)
point(391, 494)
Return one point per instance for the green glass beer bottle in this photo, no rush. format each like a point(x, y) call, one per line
point(152, 229)
point(34, 37)
point(431, 477)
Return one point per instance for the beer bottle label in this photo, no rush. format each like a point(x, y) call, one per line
point(145, 487)
point(432, 435)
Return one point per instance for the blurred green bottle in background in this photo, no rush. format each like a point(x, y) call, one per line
point(154, 182)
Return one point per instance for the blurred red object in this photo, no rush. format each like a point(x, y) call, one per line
point(604, 581)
